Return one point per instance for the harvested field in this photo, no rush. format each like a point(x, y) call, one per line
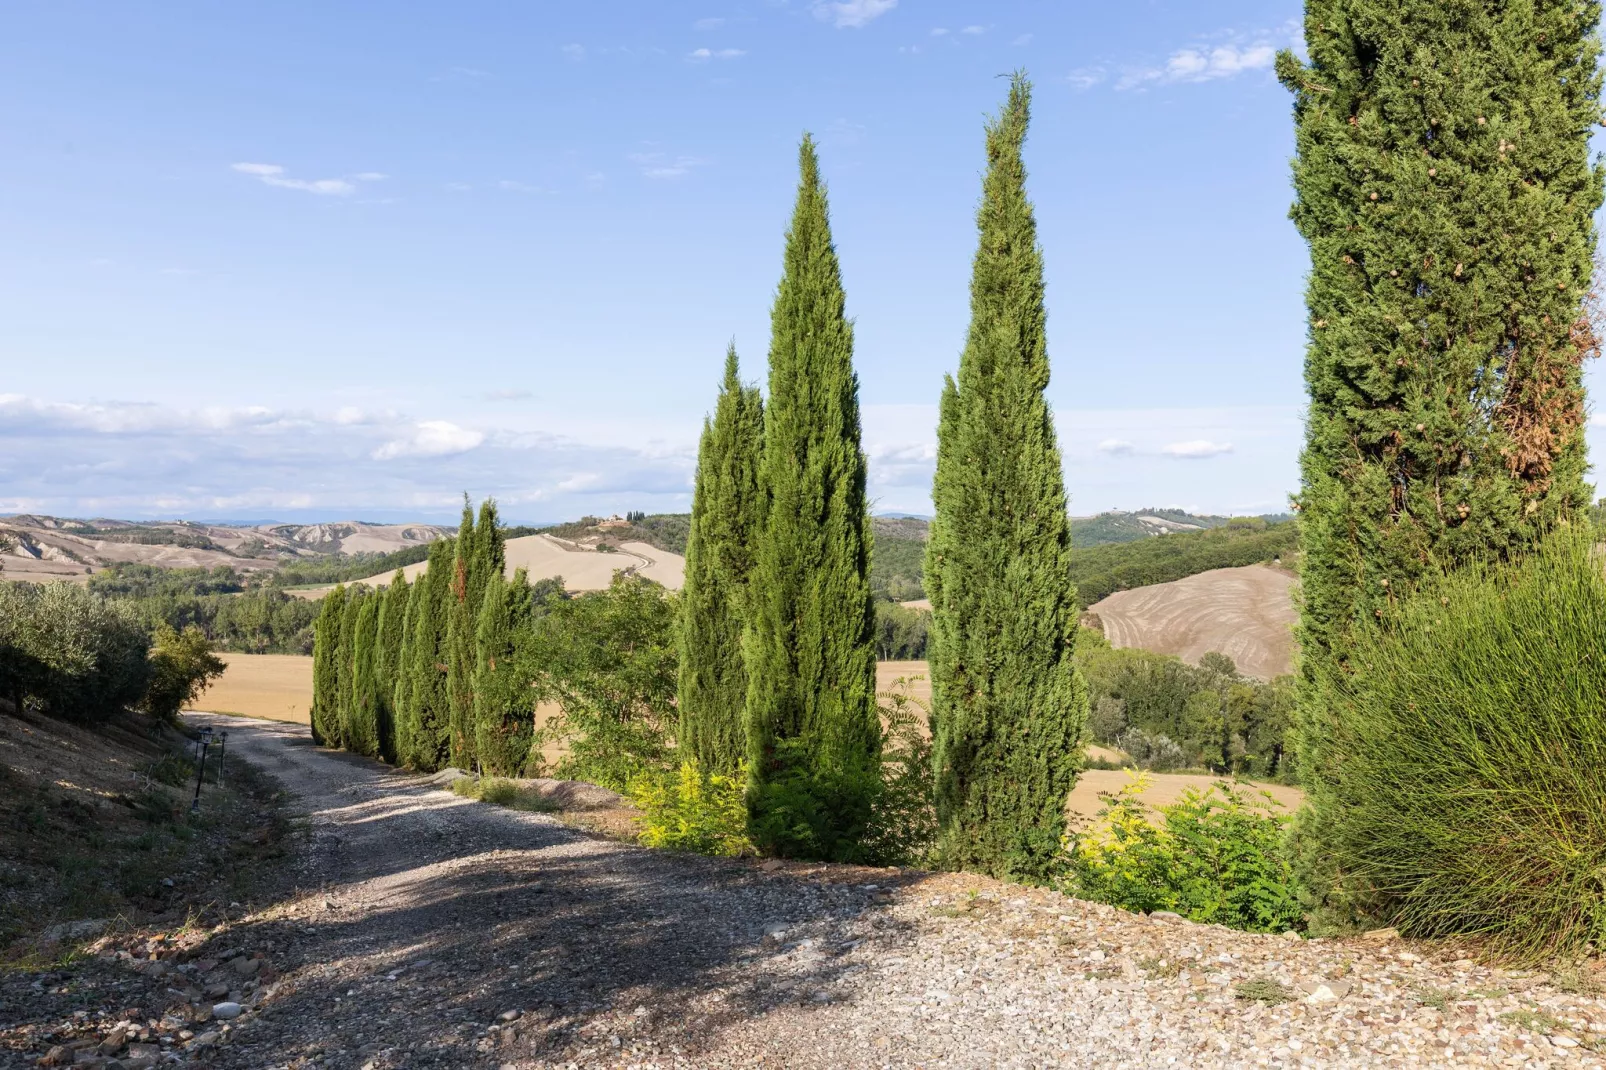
point(1246, 613)
point(1164, 789)
point(545, 556)
point(275, 686)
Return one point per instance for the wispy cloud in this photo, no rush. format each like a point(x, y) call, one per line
point(852, 14)
point(703, 55)
point(1196, 449)
point(575, 52)
point(507, 394)
point(1116, 447)
point(431, 438)
point(1023, 39)
point(1232, 54)
point(939, 31)
point(272, 174)
point(708, 24)
point(512, 186)
point(1086, 77)
point(663, 165)
point(974, 30)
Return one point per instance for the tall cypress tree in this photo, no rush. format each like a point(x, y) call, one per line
point(426, 710)
point(461, 621)
point(403, 724)
point(1009, 703)
point(813, 730)
point(362, 729)
point(1445, 186)
point(504, 702)
point(490, 552)
point(392, 630)
point(719, 557)
point(325, 713)
point(355, 597)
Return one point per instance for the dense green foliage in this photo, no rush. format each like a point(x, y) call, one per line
point(1472, 736)
point(1445, 186)
point(343, 568)
point(391, 639)
point(666, 531)
point(1214, 857)
point(725, 521)
point(1100, 571)
point(901, 632)
point(1168, 714)
point(232, 614)
point(362, 706)
point(181, 666)
point(692, 810)
point(1009, 705)
point(898, 572)
point(69, 651)
point(609, 659)
point(346, 666)
point(812, 733)
point(462, 621)
point(422, 731)
point(504, 704)
point(325, 714)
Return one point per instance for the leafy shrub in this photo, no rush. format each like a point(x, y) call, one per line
point(80, 656)
point(502, 792)
point(182, 664)
point(1150, 750)
point(1214, 856)
point(174, 770)
point(901, 631)
point(1471, 736)
point(1107, 719)
point(803, 806)
point(903, 820)
point(691, 810)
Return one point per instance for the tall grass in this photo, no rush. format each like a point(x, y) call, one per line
point(1465, 786)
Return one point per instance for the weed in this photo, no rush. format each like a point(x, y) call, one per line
point(1263, 990)
point(1576, 979)
point(1154, 966)
point(1437, 998)
point(974, 905)
point(174, 770)
point(505, 793)
point(1534, 1021)
point(1103, 973)
point(1488, 993)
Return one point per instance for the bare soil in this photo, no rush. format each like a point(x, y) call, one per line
point(1246, 613)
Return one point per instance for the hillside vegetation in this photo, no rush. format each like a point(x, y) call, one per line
point(1100, 571)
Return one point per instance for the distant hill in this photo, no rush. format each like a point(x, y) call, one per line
point(48, 547)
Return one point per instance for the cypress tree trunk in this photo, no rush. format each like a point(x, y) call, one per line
point(392, 629)
point(813, 732)
point(1010, 704)
point(355, 597)
point(461, 619)
point(1445, 186)
point(725, 518)
point(426, 711)
point(363, 729)
point(325, 713)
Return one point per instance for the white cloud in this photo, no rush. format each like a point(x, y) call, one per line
point(370, 176)
point(974, 30)
point(273, 175)
point(512, 186)
point(1116, 447)
point(1208, 62)
point(703, 55)
point(708, 24)
point(459, 187)
point(1086, 77)
point(852, 13)
point(663, 165)
point(939, 31)
point(575, 52)
point(1197, 449)
point(1023, 39)
point(431, 438)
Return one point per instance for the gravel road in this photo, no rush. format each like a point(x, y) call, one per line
point(453, 933)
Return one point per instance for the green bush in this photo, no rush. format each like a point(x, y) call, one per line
point(1471, 738)
point(903, 820)
point(78, 655)
point(182, 664)
point(1215, 856)
point(690, 810)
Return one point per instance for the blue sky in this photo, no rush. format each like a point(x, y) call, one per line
point(332, 260)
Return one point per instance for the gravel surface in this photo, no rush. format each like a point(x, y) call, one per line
point(452, 933)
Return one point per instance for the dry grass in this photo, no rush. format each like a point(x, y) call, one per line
point(275, 686)
point(1164, 789)
point(1246, 613)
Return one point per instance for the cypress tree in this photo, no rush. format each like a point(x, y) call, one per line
point(325, 713)
point(462, 617)
point(504, 703)
point(401, 685)
point(719, 557)
point(355, 597)
point(813, 731)
point(1444, 184)
point(426, 710)
point(490, 552)
point(362, 732)
point(1009, 703)
point(392, 630)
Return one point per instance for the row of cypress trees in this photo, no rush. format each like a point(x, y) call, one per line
point(421, 674)
point(777, 654)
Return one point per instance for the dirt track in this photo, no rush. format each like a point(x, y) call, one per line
point(436, 916)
